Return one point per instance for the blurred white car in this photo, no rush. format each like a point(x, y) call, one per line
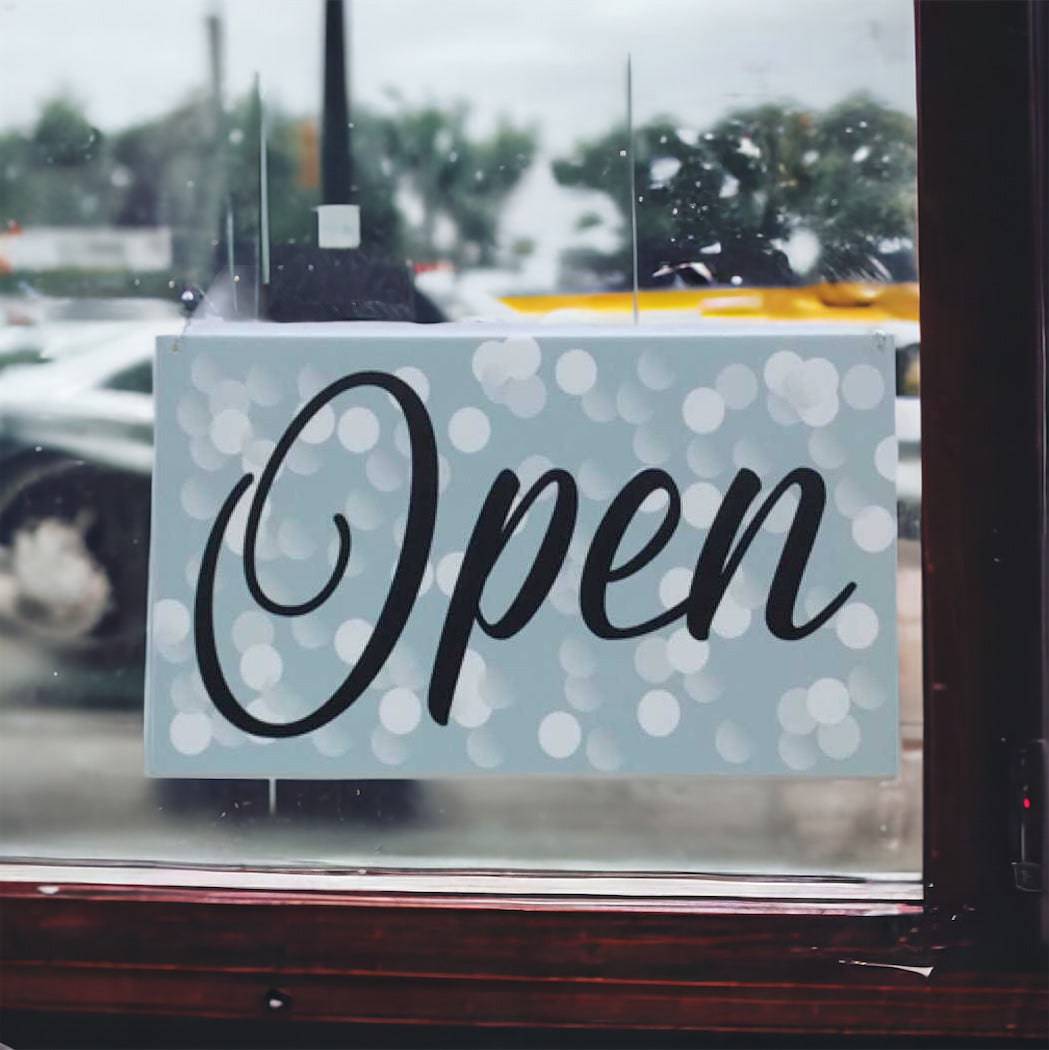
point(76, 451)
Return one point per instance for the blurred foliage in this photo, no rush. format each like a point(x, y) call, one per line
point(294, 181)
point(454, 176)
point(38, 169)
point(730, 198)
point(169, 170)
point(193, 168)
point(63, 136)
point(864, 190)
point(720, 205)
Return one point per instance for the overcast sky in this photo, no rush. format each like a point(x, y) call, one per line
point(556, 63)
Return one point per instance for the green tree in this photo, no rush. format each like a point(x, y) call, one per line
point(171, 169)
point(57, 174)
point(697, 201)
point(730, 197)
point(182, 172)
point(455, 176)
point(63, 136)
point(759, 155)
point(184, 168)
point(426, 151)
point(862, 194)
point(294, 189)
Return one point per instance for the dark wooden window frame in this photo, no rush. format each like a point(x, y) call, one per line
point(969, 960)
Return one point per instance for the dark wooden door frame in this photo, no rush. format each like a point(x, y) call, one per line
point(982, 190)
point(966, 962)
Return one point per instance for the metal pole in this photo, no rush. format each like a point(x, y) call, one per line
point(633, 182)
point(336, 165)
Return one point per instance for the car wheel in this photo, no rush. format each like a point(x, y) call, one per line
point(74, 554)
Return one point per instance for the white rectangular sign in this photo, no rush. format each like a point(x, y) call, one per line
point(424, 551)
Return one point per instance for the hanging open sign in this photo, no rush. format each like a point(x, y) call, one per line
point(389, 551)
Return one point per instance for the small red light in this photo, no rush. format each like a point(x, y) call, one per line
point(1027, 803)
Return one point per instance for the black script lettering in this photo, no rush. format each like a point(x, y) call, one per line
point(415, 550)
point(598, 570)
point(490, 535)
point(719, 559)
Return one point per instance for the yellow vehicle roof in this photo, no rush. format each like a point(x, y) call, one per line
point(862, 302)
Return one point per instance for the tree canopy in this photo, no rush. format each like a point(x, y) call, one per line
point(725, 205)
point(461, 178)
point(730, 198)
point(182, 168)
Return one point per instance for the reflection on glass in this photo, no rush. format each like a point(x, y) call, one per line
point(774, 165)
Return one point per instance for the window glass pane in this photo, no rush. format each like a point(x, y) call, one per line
point(773, 158)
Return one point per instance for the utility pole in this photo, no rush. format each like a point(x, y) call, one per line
point(336, 157)
point(213, 128)
point(337, 280)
